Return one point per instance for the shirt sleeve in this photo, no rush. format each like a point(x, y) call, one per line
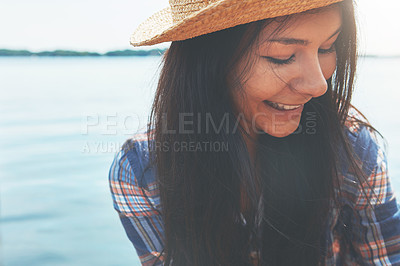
point(135, 206)
point(375, 226)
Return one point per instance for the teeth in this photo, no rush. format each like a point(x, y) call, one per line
point(283, 106)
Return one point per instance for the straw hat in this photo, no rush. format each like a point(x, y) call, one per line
point(185, 19)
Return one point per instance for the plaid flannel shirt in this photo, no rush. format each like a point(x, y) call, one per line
point(358, 234)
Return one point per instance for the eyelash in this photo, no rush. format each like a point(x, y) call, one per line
point(327, 51)
point(291, 59)
point(280, 61)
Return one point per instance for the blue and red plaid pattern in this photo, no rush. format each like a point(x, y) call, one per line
point(371, 231)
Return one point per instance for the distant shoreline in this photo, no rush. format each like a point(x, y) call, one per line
point(69, 53)
point(116, 53)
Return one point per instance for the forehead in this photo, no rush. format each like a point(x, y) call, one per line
point(309, 25)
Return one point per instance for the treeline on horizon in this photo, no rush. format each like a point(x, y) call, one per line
point(153, 52)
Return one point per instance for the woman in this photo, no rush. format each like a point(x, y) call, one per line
point(254, 154)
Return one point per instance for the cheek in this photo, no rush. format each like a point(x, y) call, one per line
point(328, 65)
point(262, 83)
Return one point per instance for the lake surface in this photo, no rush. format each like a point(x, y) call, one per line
point(63, 119)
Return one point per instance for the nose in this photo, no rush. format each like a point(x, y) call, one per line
point(310, 80)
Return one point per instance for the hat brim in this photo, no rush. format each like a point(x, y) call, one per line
point(215, 17)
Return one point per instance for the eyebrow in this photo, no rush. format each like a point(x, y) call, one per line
point(291, 41)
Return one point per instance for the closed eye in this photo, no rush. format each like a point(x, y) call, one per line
point(291, 59)
point(327, 51)
point(280, 61)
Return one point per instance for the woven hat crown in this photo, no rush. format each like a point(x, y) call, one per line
point(182, 9)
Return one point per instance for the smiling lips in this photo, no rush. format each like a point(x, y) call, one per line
point(282, 107)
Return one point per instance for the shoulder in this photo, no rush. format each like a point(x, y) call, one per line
point(363, 139)
point(370, 154)
point(356, 126)
point(132, 163)
point(374, 222)
point(132, 177)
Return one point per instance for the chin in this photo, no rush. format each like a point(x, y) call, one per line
point(280, 135)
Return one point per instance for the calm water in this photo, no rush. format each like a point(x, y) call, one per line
point(62, 120)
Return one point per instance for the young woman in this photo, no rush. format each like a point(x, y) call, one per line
point(254, 154)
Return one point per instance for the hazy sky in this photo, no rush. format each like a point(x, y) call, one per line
point(99, 25)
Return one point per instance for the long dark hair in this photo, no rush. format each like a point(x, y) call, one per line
point(289, 189)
